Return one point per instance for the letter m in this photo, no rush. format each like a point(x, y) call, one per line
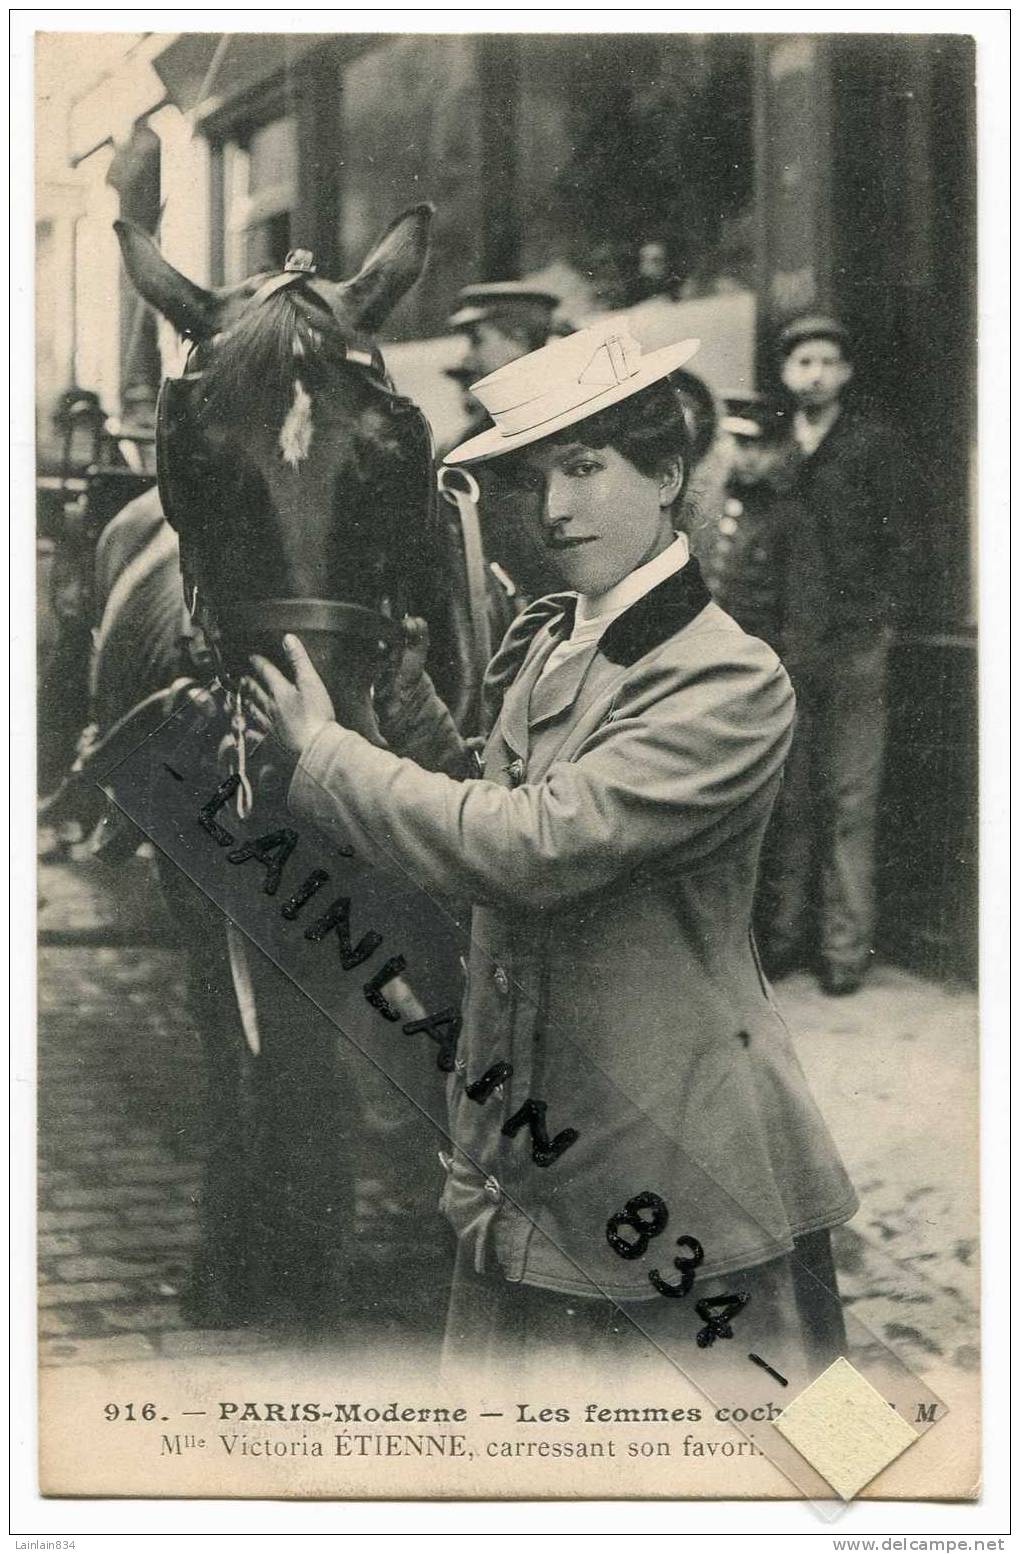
point(926, 1413)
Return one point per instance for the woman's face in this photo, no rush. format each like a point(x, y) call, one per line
point(597, 516)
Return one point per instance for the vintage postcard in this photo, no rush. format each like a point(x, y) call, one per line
point(507, 765)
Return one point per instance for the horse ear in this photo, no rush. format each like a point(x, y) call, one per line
point(190, 309)
point(392, 267)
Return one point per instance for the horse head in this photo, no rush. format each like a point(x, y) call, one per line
point(300, 482)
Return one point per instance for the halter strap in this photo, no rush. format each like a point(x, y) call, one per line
point(316, 615)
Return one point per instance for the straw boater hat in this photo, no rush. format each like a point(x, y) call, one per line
point(564, 382)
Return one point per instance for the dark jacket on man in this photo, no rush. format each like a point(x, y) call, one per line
point(763, 566)
point(854, 499)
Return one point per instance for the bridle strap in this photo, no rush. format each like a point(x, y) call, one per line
point(314, 615)
point(460, 488)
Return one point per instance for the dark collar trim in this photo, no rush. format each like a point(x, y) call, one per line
point(657, 615)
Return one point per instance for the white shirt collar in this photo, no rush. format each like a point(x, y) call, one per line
point(603, 607)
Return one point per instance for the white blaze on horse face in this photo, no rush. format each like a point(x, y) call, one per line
point(296, 431)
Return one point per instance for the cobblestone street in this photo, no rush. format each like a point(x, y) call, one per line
point(121, 1081)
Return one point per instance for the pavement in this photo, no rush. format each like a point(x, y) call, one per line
point(894, 1069)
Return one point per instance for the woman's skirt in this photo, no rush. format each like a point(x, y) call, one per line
point(790, 1320)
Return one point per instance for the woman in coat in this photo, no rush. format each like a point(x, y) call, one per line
point(626, 1109)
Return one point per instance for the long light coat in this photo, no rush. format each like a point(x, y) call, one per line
point(610, 850)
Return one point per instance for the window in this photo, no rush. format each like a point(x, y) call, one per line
point(259, 196)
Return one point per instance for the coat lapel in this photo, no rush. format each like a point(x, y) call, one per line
point(659, 614)
point(549, 735)
point(572, 685)
point(558, 690)
point(513, 718)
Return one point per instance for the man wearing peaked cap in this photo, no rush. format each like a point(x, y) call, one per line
point(743, 549)
point(501, 299)
point(608, 843)
point(754, 419)
point(499, 321)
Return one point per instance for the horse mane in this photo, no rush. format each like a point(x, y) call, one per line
point(251, 367)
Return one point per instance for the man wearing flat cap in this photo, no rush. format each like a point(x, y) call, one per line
point(847, 476)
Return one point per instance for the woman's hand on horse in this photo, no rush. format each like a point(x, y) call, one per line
point(296, 712)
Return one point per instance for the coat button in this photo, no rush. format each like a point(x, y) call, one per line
point(492, 1189)
point(515, 771)
point(446, 1161)
point(501, 980)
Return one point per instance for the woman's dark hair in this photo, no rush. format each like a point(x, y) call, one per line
point(649, 430)
point(700, 411)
